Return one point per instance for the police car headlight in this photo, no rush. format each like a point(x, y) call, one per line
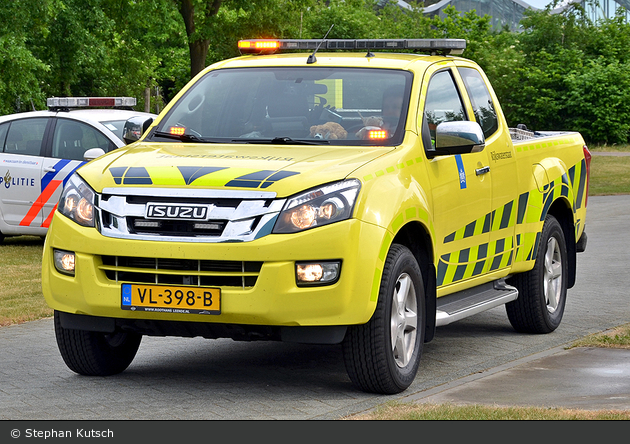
point(321, 206)
point(77, 201)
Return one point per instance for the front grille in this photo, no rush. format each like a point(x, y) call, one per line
point(232, 216)
point(204, 273)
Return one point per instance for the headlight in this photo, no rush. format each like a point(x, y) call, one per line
point(321, 206)
point(77, 201)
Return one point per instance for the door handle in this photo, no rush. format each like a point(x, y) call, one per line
point(484, 170)
point(50, 170)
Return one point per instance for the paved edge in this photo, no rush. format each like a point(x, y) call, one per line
point(418, 397)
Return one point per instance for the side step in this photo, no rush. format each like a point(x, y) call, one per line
point(462, 304)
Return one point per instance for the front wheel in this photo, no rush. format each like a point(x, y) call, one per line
point(542, 290)
point(383, 355)
point(94, 353)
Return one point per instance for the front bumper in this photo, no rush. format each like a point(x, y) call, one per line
point(274, 300)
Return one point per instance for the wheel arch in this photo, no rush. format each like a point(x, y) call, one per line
point(561, 210)
point(415, 236)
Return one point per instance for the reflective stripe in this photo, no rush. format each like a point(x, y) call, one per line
point(503, 217)
point(49, 176)
point(163, 176)
point(39, 203)
point(48, 220)
point(473, 261)
point(63, 168)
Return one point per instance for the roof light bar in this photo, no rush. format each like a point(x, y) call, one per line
point(267, 46)
point(86, 102)
point(245, 45)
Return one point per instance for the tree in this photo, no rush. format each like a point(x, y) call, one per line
point(20, 69)
point(209, 23)
point(198, 41)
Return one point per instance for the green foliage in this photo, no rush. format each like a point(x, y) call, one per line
point(261, 19)
point(20, 76)
point(573, 74)
point(396, 23)
point(351, 19)
point(598, 97)
point(20, 70)
point(562, 72)
point(151, 52)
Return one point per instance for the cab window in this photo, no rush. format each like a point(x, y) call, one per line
point(442, 104)
point(481, 100)
point(25, 137)
point(72, 139)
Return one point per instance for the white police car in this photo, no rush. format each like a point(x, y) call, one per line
point(40, 150)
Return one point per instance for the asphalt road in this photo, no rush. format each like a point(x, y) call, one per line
point(192, 379)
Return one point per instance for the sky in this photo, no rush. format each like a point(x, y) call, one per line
point(540, 4)
point(537, 3)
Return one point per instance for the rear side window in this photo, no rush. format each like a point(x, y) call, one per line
point(25, 137)
point(72, 139)
point(485, 113)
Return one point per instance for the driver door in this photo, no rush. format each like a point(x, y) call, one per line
point(461, 189)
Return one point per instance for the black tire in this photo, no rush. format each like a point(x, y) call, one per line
point(374, 363)
point(92, 353)
point(542, 291)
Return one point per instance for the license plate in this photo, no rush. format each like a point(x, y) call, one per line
point(171, 299)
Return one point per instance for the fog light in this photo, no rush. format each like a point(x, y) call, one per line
point(64, 261)
point(317, 273)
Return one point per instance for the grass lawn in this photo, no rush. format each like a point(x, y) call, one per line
point(609, 148)
point(21, 296)
point(609, 175)
point(397, 411)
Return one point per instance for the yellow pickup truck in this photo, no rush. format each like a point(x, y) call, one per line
point(353, 192)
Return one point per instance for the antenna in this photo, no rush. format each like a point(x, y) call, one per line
point(311, 58)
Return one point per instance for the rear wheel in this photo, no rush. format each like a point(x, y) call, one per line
point(95, 353)
point(383, 355)
point(542, 290)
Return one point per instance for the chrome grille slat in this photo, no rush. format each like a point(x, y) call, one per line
point(235, 216)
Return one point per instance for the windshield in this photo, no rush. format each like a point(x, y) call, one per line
point(346, 106)
point(115, 126)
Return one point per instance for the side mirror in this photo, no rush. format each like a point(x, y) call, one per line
point(135, 128)
point(457, 137)
point(92, 154)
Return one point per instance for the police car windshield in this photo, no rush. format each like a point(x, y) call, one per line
point(343, 106)
point(115, 126)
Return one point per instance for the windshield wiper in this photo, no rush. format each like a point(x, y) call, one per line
point(182, 137)
point(284, 141)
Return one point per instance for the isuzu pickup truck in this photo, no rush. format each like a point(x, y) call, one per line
point(353, 192)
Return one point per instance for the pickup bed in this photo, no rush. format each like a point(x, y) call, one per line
point(346, 196)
